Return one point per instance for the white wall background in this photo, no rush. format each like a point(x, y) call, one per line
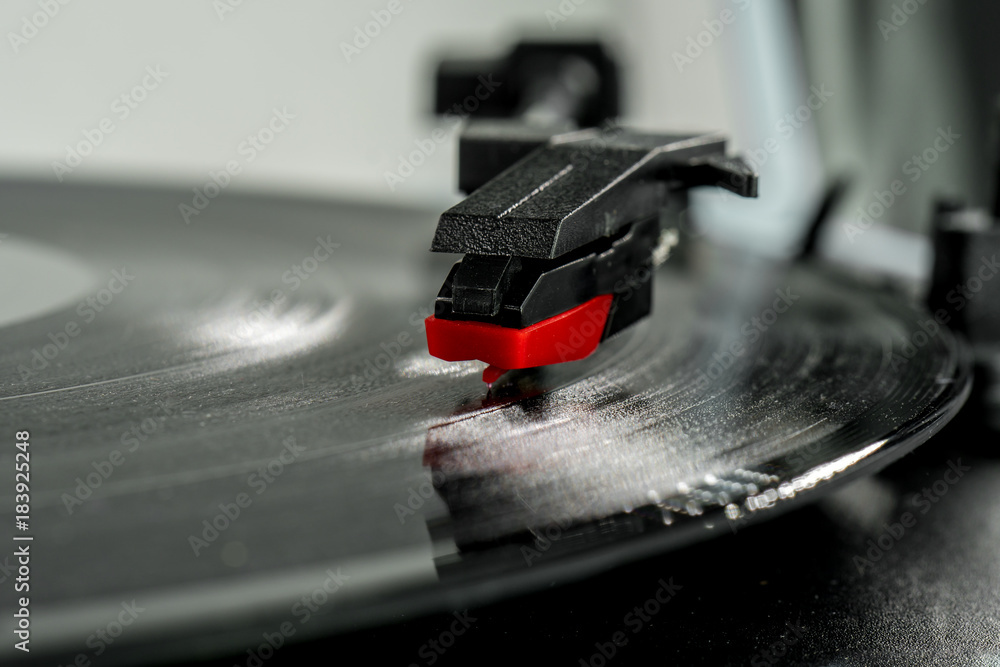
point(227, 71)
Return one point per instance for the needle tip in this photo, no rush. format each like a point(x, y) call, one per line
point(492, 374)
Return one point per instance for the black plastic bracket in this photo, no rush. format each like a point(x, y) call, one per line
point(578, 187)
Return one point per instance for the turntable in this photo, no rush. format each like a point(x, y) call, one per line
point(265, 435)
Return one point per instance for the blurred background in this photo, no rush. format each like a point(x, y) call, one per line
point(892, 75)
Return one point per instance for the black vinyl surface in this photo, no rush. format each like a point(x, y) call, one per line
point(387, 483)
point(805, 589)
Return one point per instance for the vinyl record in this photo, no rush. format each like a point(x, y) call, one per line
point(235, 422)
